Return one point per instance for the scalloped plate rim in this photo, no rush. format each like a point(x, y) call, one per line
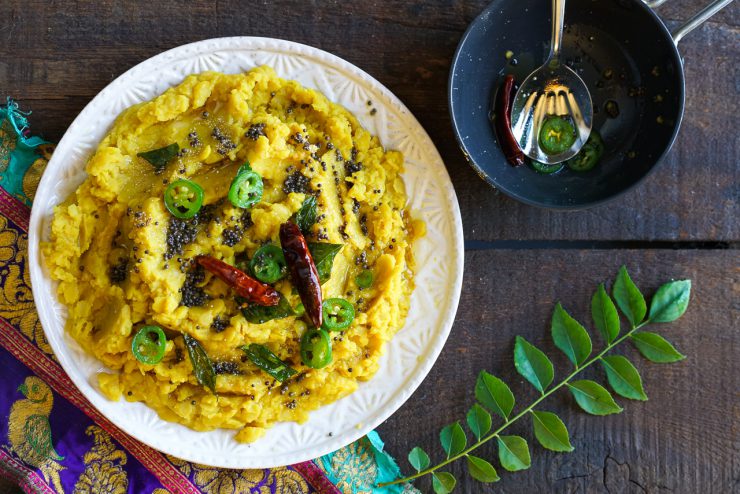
point(394, 400)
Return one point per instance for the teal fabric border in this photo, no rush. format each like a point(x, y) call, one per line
point(361, 466)
point(13, 164)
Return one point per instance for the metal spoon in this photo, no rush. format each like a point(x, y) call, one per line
point(552, 90)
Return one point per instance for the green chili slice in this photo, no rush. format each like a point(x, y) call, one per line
point(149, 344)
point(338, 314)
point(556, 135)
point(183, 198)
point(589, 155)
point(364, 279)
point(262, 357)
point(316, 348)
point(544, 168)
point(268, 264)
point(246, 188)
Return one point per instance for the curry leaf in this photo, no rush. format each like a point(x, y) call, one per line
point(479, 421)
point(670, 301)
point(533, 364)
point(513, 453)
point(323, 257)
point(419, 459)
point(260, 314)
point(453, 439)
point(570, 337)
point(623, 377)
point(159, 158)
point(629, 298)
point(550, 431)
point(262, 357)
point(205, 374)
point(593, 398)
point(305, 217)
point(656, 348)
point(494, 394)
point(443, 482)
point(481, 470)
point(604, 313)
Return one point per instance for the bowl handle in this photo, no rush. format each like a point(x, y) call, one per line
point(694, 21)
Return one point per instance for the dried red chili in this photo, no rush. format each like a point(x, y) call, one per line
point(502, 124)
point(244, 285)
point(302, 270)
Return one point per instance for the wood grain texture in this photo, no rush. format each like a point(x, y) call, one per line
point(55, 56)
point(685, 439)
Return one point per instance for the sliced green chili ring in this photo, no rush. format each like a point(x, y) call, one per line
point(364, 279)
point(246, 188)
point(316, 348)
point(183, 198)
point(589, 155)
point(544, 168)
point(299, 310)
point(338, 314)
point(584, 161)
point(556, 135)
point(262, 357)
point(268, 264)
point(149, 344)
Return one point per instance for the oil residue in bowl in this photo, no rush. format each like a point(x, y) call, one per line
point(611, 77)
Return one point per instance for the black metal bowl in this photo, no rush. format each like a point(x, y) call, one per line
point(630, 63)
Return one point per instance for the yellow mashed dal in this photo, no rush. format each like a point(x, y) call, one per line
point(123, 261)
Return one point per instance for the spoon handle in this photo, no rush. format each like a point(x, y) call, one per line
point(558, 17)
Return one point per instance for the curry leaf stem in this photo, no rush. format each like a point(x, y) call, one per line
point(521, 414)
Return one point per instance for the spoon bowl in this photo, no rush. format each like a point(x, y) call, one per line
point(553, 90)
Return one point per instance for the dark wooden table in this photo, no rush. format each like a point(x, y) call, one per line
point(682, 222)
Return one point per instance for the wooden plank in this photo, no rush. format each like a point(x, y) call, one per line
point(684, 439)
point(55, 57)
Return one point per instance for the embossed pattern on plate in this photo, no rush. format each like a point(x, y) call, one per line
point(408, 357)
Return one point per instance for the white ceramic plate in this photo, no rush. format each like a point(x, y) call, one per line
point(439, 255)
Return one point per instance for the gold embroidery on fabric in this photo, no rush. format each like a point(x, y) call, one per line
point(29, 430)
point(7, 143)
point(228, 481)
point(102, 474)
point(33, 174)
point(355, 468)
point(16, 298)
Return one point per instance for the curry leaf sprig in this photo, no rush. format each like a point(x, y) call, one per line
point(495, 397)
